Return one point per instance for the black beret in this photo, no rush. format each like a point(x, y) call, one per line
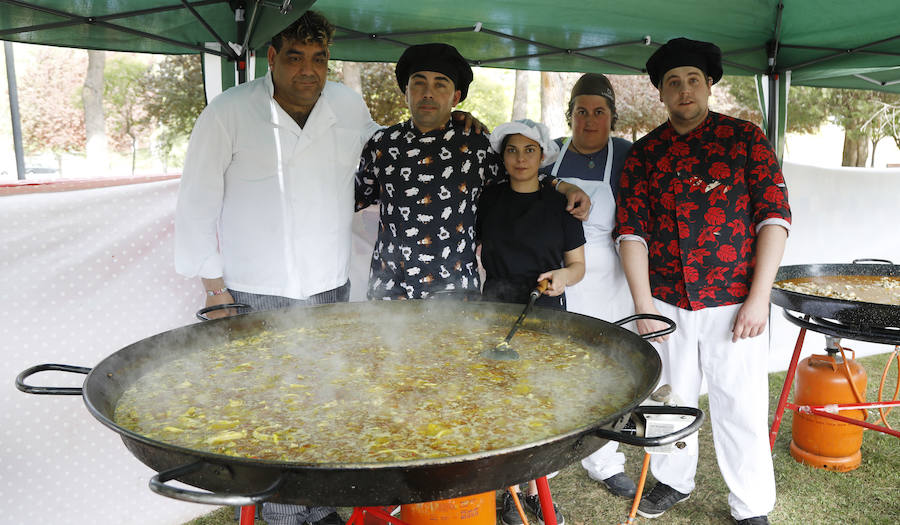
point(441, 58)
point(685, 52)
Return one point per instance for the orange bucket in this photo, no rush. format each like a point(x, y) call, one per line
point(477, 509)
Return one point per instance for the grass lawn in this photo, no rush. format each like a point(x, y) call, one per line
point(867, 495)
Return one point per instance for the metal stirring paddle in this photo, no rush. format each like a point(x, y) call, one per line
point(504, 352)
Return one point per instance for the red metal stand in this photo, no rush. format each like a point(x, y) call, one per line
point(546, 501)
point(248, 514)
point(786, 389)
point(828, 411)
point(359, 516)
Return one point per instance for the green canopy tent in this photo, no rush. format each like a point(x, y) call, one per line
point(804, 42)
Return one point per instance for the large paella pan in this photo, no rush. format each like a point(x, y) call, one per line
point(579, 375)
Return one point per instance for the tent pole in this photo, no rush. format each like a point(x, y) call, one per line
point(772, 110)
point(14, 109)
point(241, 60)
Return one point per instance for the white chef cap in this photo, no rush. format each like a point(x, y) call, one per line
point(531, 129)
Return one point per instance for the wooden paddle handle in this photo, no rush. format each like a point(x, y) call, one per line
point(539, 290)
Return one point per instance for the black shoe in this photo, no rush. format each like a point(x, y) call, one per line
point(755, 520)
point(620, 485)
point(509, 515)
point(533, 504)
point(659, 500)
point(332, 519)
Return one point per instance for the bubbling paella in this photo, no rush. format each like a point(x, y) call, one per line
point(862, 288)
point(304, 395)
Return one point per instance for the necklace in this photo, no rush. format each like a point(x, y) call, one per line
point(590, 157)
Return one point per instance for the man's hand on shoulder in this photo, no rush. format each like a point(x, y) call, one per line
point(578, 202)
point(470, 122)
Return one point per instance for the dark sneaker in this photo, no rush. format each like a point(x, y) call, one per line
point(508, 513)
point(331, 519)
point(755, 520)
point(659, 500)
point(619, 485)
point(533, 504)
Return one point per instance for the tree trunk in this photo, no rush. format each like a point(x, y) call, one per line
point(855, 151)
point(352, 76)
point(94, 122)
point(552, 103)
point(874, 146)
point(520, 99)
point(133, 153)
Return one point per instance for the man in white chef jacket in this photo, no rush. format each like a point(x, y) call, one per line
point(266, 201)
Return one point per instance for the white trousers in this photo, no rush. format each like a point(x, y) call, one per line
point(737, 378)
point(606, 462)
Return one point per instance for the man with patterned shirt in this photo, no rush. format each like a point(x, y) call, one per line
point(702, 221)
point(427, 174)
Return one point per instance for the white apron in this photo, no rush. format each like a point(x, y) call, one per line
point(603, 293)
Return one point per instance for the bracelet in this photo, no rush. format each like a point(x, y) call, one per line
point(220, 291)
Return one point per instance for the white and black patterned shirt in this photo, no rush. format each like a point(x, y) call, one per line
point(427, 186)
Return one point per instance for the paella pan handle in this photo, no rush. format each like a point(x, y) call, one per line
point(201, 313)
point(656, 441)
point(59, 391)
point(158, 485)
point(650, 335)
point(883, 261)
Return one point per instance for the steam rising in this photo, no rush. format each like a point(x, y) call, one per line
point(371, 383)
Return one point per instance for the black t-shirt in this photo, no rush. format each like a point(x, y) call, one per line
point(523, 235)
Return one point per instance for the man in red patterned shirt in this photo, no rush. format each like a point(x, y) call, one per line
point(702, 220)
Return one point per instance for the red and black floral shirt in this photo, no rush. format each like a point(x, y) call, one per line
point(697, 201)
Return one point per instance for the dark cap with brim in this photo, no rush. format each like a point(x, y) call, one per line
point(679, 52)
point(594, 84)
point(440, 58)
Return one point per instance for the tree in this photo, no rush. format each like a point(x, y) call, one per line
point(377, 84)
point(850, 109)
point(49, 94)
point(637, 104)
point(520, 98)
point(352, 75)
point(94, 121)
point(489, 99)
point(175, 99)
point(126, 96)
point(806, 111)
point(553, 103)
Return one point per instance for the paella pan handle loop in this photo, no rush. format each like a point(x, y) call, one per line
point(882, 261)
point(59, 391)
point(650, 335)
point(158, 485)
point(201, 313)
point(656, 441)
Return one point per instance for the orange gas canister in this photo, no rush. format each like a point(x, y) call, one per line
point(821, 442)
point(477, 509)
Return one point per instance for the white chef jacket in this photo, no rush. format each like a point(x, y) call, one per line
point(264, 203)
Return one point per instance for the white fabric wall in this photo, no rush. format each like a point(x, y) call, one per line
point(839, 214)
point(84, 273)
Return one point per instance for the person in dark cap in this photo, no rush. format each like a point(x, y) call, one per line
point(702, 221)
point(426, 174)
point(592, 159)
